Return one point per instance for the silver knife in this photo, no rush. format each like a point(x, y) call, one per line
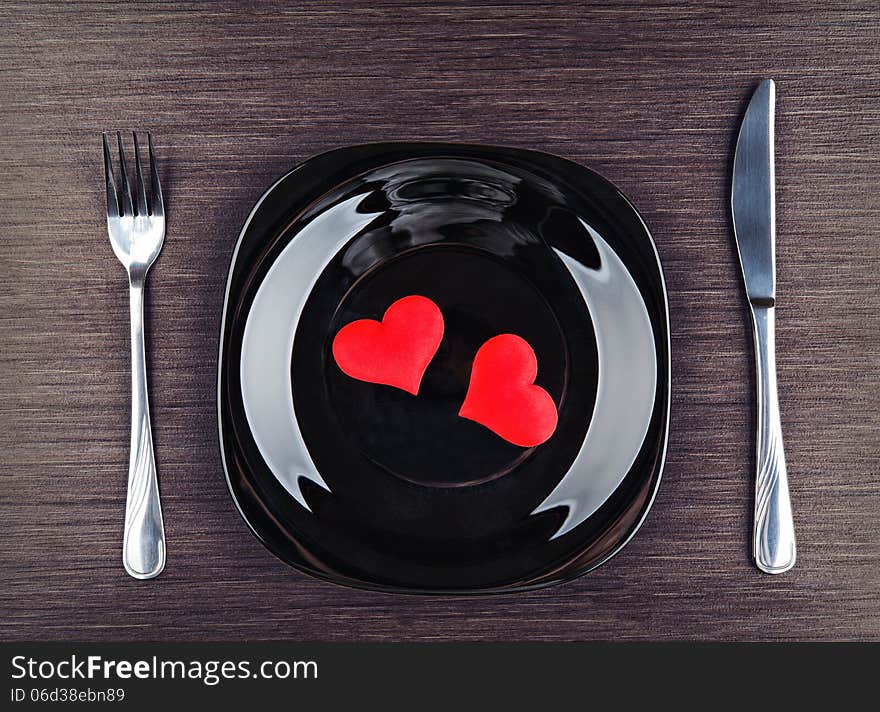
point(754, 224)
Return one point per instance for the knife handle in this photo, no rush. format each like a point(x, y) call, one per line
point(774, 545)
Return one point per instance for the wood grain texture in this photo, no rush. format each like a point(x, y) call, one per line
point(237, 93)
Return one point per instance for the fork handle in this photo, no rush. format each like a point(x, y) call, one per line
point(774, 544)
point(143, 545)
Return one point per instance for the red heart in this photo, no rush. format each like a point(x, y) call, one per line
point(502, 394)
point(397, 350)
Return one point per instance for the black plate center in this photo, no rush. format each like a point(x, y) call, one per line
point(421, 438)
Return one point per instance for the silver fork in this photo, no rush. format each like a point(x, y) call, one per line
point(137, 232)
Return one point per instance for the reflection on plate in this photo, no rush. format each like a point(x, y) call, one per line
point(364, 465)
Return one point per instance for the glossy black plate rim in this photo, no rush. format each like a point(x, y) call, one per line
point(548, 578)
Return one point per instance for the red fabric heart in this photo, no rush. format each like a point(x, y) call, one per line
point(397, 350)
point(502, 394)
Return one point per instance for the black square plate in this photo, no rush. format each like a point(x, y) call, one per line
point(372, 486)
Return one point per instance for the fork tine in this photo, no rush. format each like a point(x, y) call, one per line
point(141, 192)
point(127, 207)
point(112, 199)
point(157, 207)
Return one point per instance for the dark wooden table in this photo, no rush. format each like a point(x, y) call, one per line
point(236, 94)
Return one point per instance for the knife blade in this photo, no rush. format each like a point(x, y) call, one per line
point(753, 206)
point(753, 198)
